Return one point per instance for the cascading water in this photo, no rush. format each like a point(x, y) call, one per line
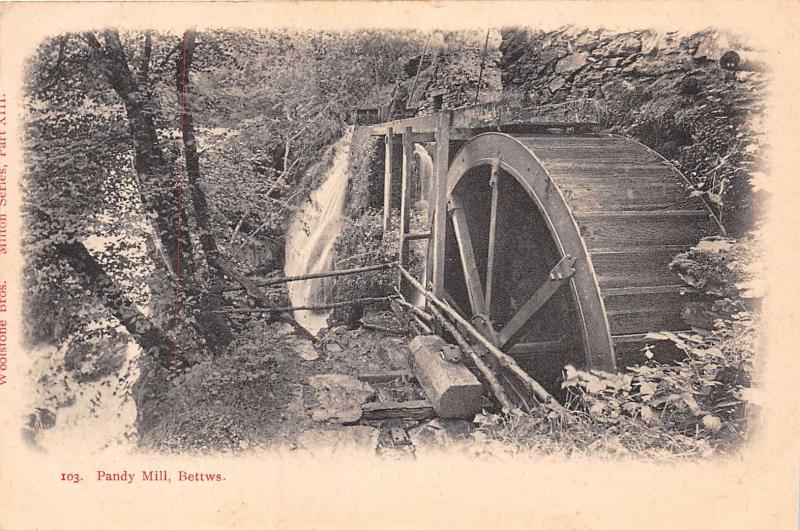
point(311, 236)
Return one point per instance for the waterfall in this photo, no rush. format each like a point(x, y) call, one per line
point(312, 234)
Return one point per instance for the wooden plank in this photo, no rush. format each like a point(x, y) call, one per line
point(634, 214)
point(632, 267)
point(468, 262)
point(616, 194)
point(656, 229)
point(611, 168)
point(647, 298)
point(628, 321)
point(549, 140)
point(418, 409)
point(594, 154)
point(496, 114)
point(441, 165)
point(416, 137)
point(451, 388)
point(647, 289)
point(388, 167)
point(385, 377)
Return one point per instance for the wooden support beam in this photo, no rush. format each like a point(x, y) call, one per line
point(416, 137)
point(577, 115)
point(486, 372)
point(441, 165)
point(411, 236)
point(558, 276)
point(495, 185)
point(468, 262)
point(388, 167)
point(405, 203)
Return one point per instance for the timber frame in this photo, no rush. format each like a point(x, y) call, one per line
point(460, 125)
point(616, 211)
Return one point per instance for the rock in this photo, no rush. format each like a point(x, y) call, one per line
point(396, 353)
point(622, 45)
point(283, 329)
point(571, 63)
point(653, 67)
point(441, 433)
point(557, 83)
point(340, 397)
point(617, 89)
point(652, 43)
point(712, 47)
point(333, 348)
point(614, 62)
point(587, 77)
point(305, 349)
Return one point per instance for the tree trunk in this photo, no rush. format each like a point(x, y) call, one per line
point(160, 190)
point(211, 301)
point(92, 276)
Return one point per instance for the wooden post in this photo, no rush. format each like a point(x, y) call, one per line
point(441, 165)
point(405, 202)
point(388, 166)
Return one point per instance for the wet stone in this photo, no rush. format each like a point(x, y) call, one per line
point(340, 397)
point(305, 349)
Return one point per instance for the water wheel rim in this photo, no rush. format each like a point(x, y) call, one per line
point(516, 160)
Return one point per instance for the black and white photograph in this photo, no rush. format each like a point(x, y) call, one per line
point(507, 241)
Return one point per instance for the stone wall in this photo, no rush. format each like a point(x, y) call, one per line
point(665, 89)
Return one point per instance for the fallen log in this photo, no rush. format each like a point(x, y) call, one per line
point(494, 384)
point(451, 388)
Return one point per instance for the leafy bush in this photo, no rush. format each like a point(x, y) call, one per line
point(704, 396)
point(361, 243)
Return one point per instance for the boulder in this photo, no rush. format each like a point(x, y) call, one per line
point(340, 397)
point(557, 84)
point(571, 63)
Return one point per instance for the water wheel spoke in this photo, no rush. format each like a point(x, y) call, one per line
point(558, 276)
point(494, 183)
point(467, 253)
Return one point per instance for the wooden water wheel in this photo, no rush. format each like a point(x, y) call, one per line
point(557, 246)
